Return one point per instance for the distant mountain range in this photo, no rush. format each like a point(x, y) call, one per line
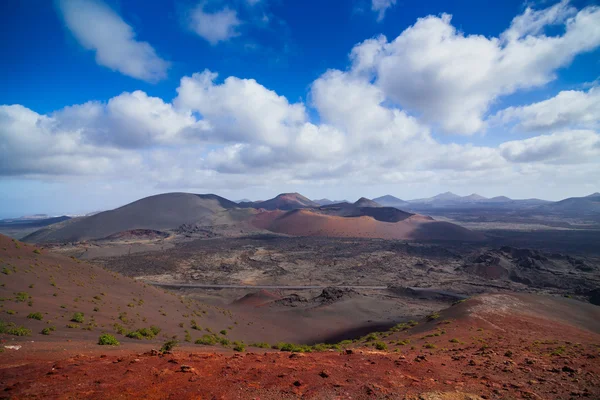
point(363, 218)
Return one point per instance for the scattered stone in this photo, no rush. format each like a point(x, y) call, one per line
point(186, 368)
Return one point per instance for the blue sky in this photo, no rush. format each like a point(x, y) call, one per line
point(333, 99)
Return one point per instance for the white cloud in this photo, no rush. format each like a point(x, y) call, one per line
point(381, 6)
point(97, 27)
point(214, 27)
point(568, 147)
point(569, 108)
point(452, 79)
point(233, 132)
point(31, 145)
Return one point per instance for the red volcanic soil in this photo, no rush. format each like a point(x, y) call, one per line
point(310, 223)
point(492, 347)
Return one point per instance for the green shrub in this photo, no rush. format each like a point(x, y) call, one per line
point(107, 339)
point(35, 315)
point(37, 251)
point(11, 329)
point(433, 316)
point(380, 346)
point(454, 340)
point(207, 340)
point(261, 345)
point(429, 346)
point(22, 297)
point(239, 346)
point(11, 312)
point(78, 317)
point(223, 332)
point(155, 330)
point(47, 330)
point(371, 337)
point(135, 335)
point(120, 329)
point(72, 326)
point(168, 346)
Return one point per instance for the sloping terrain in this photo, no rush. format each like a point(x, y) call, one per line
point(20, 227)
point(534, 269)
point(314, 223)
point(45, 291)
point(164, 211)
point(488, 347)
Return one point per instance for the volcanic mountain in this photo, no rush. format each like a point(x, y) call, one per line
point(391, 201)
point(364, 202)
point(321, 223)
point(163, 211)
point(283, 201)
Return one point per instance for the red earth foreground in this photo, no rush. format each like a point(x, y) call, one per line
point(470, 351)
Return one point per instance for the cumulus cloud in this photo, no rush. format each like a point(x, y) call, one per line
point(570, 108)
point(568, 147)
point(233, 132)
point(381, 6)
point(97, 27)
point(451, 78)
point(214, 27)
point(33, 146)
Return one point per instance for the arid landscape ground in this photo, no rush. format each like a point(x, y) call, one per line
point(253, 303)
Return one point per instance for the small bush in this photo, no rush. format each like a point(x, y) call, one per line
point(37, 251)
point(207, 340)
point(73, 326)
point(135, 335)
point(223, 332)
point(371, 337)
point(107, 339)
point(48, 330)
point(454, 340)
point(261, 345)
point(433, 316)
point(238, 346)
point(12, 329)
point(22, 297)
point(429, 346)
point(78, 317)
point(36, 315)
point(11, 312)
point(168, 346)
point(380, 346)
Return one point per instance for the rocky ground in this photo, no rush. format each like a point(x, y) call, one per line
point(465, 352)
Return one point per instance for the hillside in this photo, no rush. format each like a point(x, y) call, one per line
point(580, 205)
point(34, 280)
point(164, 211)
point(487, 347)
point(314, 223)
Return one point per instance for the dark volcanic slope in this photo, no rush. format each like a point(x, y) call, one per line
point(163, 211)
